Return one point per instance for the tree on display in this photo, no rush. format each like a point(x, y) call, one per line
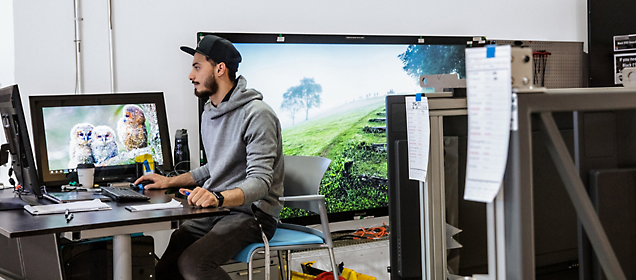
point(420, 60)
point(304, 96)
point(291, 104)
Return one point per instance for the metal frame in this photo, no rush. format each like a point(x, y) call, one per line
point(432, 192)
point(433, 202)
point(518, 205)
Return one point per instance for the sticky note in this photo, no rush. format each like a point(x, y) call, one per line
point(490, 51)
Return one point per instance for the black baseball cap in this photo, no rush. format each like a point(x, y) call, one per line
point(218, 49)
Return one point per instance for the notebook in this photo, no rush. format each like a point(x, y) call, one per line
point(64, 197)
point(155, 206)
point(78, 206)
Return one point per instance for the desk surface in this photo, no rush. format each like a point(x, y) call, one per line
point(19, 223)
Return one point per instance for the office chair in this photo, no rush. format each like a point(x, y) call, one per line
point(302, 180)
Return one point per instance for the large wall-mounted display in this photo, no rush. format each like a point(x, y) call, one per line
point(329, 94)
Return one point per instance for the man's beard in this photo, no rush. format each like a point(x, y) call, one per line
point(211, 88)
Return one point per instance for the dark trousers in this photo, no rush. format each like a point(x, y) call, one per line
point(198, 248)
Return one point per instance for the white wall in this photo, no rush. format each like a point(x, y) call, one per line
point(7, 62)
point(147, 35)
point(7, 75)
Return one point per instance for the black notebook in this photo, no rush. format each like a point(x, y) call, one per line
point(62, 197)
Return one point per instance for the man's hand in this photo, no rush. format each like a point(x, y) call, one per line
point(162, 182)
point(200, 197)
point(158, 181)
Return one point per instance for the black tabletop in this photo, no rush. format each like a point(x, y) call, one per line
point(19, 223)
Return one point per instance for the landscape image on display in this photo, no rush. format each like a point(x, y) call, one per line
point(330, 99)
point(105, 135)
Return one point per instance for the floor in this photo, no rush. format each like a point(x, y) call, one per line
point(371, 258)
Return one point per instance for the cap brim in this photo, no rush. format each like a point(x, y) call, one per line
point(188, 50)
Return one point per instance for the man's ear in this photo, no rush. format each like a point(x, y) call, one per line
point(221, 69)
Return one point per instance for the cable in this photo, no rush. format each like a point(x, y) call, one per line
point(185, 161)
point(176, 172)
point(365, 233)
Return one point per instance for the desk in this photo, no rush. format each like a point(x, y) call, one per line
point(118, 222)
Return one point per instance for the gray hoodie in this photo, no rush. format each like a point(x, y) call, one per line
point(243, 144)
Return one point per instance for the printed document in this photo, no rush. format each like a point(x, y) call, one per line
point(155, 206)
point(418, 134)
point(489, 91)
point(78, 206)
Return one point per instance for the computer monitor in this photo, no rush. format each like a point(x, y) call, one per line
point(17, 136)
point(347, 77)
point(108, 130)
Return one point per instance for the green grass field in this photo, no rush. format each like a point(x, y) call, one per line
point(341, 138)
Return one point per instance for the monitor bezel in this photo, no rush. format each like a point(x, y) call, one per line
point(102, 174)
point(277, 38)
point(23, 165)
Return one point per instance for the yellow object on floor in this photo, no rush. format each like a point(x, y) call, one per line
point(301, 276)
point(347, 273)
point(351, 274)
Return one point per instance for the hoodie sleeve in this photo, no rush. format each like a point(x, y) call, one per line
point(200, 174)
point(262, 144)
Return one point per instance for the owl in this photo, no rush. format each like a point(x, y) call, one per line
point(131, 128)
point(80, 146)
point(103, 144)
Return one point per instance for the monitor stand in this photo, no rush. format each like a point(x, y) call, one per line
point(11, 203)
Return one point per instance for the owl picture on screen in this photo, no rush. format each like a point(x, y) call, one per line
point(80, 150)
point(104, 145)
point(131, 128)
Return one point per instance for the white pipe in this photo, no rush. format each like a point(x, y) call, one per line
point(78, 57)
point(122, 257)
point(110, 47)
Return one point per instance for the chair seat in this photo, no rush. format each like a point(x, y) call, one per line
point(282, 237)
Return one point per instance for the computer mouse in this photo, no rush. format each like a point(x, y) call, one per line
point(146, 182)
point(143, 183)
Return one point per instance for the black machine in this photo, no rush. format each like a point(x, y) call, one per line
point(93, 259)
point(608, 57)
point(181, 151)
point(19, 145)
point(555, 218)
point(606, 158)
point(404, 201)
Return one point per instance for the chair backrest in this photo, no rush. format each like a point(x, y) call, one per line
point(302, 177)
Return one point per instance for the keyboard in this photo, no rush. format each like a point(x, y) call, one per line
point(123, 194)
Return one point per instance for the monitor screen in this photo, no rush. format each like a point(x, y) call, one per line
point(112, 131)
point(17, 136)
point(329, 94)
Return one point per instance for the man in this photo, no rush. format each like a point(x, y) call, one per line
point(243, 143)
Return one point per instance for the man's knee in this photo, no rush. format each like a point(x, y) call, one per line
point(192, 262)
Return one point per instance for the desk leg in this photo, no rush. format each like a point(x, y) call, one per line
point(122, 259)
